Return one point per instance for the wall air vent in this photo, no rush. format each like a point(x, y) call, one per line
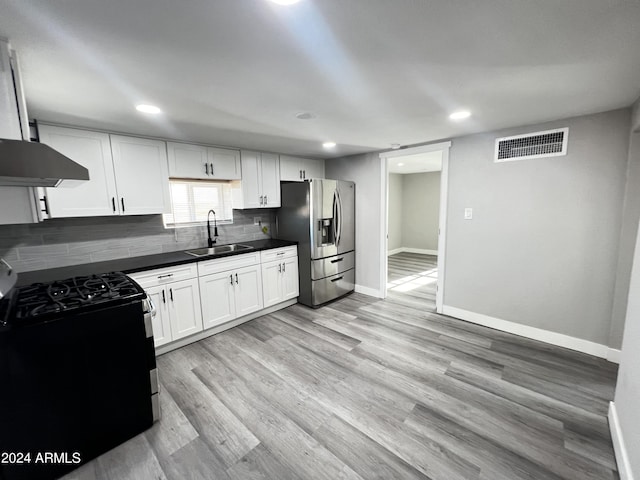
point(550, 143)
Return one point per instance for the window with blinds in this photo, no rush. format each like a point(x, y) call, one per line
point(192, 200)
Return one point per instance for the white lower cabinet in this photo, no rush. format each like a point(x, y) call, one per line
point(290, 279)
point(230, 294)
point(218, 299)
point(177, 302)
point(160, 322)
point(280, 281)
point(193, 298)
point(185, 314)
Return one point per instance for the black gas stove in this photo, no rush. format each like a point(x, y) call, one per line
point(77, 371)
point(45, 301)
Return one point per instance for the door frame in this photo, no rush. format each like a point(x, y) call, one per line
point(442, 221)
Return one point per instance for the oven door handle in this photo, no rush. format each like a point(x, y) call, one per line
point(152, 307)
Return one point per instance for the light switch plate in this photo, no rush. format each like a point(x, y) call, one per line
point(468, 213)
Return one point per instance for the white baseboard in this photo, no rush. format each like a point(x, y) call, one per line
point(412, 250)
point(559, 339)
point(622, 458)
point(372, 292)
point(613, 355)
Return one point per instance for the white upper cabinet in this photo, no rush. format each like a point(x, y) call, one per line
point(260, 185)
point(127, 175)
point(270, 174)
point(92, 150)
point(297, 169)
point(201, 162)
point(142, 177)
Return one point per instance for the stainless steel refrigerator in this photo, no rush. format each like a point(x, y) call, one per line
point(320, 215)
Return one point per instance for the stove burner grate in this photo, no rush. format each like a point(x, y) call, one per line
point(74, 293)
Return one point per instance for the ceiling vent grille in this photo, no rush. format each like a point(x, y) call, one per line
point(550, 143)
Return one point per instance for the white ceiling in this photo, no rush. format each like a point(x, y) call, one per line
point(416, 163)
point(374, 72)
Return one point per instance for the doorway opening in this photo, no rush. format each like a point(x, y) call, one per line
point(413, 248)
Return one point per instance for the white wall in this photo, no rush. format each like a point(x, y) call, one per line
point(542, 247)
point(630, 216)
point(364, 170)
point(421, 210)
point(394, 224)
point(414, 211)
point(627, 397)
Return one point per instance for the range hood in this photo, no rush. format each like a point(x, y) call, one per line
point(32, 164)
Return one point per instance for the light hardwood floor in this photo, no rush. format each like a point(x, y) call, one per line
point(365, 389)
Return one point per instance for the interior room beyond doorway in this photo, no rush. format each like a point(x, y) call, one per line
point(413, 225)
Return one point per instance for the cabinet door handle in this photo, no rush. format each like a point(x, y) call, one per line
point(122, 201)
point(231, 279)
point(266, 201)
point(336, 279)
point(113, 204)
point(236, 278)
point(304, 174)
point(337, 260)
point(300, 174)
point(284, 267)
point(166, 275)
point(279, 268)
point(46, 204)
point(164, 298)
point(212, 171)
point(206, 168)
point(261, 200)
point(171, 294)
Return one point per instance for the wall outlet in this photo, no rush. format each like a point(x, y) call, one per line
point(468, 213)
point(257, 221)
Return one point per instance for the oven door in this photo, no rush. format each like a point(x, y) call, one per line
point(80, 384)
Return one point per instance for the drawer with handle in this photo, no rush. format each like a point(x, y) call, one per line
point(162, 276)
point(278, 253)
point(330, 288)
point(332, 265)
point(218, 265)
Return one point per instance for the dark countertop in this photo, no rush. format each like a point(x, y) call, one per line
point(138, 264)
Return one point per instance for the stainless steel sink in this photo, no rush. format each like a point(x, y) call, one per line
point(203, 252)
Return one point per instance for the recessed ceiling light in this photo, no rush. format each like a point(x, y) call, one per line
point(305, 115)
point(460, 115)
point(329, 144)
point(148, 109)
point(285, 2)
point(395, 146)
point(401, 164)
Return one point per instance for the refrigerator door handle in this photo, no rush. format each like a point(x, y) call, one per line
point(335, 217)
point(339, 222)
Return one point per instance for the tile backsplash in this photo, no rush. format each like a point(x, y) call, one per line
point(71, 241)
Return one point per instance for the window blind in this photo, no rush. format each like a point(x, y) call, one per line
point(192, 200)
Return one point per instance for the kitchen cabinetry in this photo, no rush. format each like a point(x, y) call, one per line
point(231, 287)
point(142, 177)
point(176, 295)
point(201, 162)
point(297, 169)
point(260, 185)
point(279, 275)
point(92, 150)
point(18, 203)
point(127, 175)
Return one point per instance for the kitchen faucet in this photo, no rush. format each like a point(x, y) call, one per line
point(211, 241)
